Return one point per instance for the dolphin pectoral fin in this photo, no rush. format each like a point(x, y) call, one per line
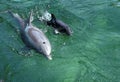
point(40, 51)
point(56, 31)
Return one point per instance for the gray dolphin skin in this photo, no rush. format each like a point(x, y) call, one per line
point(32, 36)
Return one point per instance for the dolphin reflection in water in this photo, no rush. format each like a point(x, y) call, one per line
point(32, 36)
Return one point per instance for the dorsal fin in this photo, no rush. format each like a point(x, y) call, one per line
point(30, 19)
point(53, 16)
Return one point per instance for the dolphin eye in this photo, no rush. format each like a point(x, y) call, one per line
point(43, 42)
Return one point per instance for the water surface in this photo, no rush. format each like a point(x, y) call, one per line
point(91, 54)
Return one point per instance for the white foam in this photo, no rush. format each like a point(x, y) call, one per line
point(46, 16)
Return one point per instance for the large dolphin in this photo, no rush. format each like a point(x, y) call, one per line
point(32, 36)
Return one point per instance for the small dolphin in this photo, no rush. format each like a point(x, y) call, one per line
point(57, 24)
point(32, 36)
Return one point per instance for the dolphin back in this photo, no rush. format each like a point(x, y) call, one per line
point(18, 20)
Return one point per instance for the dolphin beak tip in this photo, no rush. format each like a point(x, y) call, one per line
point(49, 57)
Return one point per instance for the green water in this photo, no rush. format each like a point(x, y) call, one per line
point(91, 54)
